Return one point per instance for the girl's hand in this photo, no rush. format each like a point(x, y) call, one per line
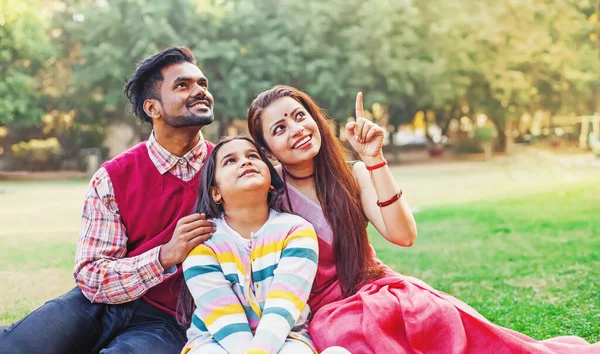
point(365, 136)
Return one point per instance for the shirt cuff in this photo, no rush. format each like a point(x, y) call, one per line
point(166, 272)
point(150, 269)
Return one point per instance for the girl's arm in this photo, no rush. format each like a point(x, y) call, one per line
point(218, 308)
point(287, 297)
point(395, 221)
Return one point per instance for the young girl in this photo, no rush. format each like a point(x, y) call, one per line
point(357, 301)
point(251, 280)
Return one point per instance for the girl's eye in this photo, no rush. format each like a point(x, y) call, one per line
point(300, 115)
point(254, 156)
point(229, 161)
point(278, 129)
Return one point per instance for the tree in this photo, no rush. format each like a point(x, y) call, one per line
point(24, 50)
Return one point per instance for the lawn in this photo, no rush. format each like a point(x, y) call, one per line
point(518, 242)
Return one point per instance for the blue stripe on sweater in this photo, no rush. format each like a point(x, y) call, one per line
point(264, 273)
point(201, 269)
point(300, 253)
point(281, 312)
point(199, 323)
point(228, 330)
point(233, 278)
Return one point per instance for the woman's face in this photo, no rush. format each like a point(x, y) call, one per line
point(238, 169)
point(290, 131)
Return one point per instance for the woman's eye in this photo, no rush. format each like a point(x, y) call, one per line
point(278, 129)
point(300, 115)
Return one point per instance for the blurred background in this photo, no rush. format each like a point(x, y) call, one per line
point(456, 76)
point(491, 109)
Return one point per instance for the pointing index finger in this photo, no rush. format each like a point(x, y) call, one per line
point(359, 106)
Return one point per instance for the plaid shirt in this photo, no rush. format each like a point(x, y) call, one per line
point(102, 271)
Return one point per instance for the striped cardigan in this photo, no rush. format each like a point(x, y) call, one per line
point(251, 294)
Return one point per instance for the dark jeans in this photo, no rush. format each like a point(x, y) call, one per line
point(72, 324)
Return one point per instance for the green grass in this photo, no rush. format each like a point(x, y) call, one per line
point(527, 262)
point(522, 249)
point(39, 225)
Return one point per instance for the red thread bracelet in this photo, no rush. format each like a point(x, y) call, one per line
point(376, 166)
point(391, 200)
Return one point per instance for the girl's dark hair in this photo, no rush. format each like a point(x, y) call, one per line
point(147, 78)
point(205, 204)
point(336, 189)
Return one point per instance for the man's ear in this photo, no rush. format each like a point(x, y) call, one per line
point(153, 108)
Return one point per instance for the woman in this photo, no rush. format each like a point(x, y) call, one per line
point(357, 301)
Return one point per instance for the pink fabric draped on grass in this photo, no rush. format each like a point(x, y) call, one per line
point(401, 314)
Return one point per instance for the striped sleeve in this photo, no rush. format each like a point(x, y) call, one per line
point(289, 291)
point(218, 308)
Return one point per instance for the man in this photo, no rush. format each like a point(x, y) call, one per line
point(136, 227)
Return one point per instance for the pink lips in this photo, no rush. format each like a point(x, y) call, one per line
point(305, 145)
point(249, 170)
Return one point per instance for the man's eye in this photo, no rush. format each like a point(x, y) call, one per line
point(180, 85)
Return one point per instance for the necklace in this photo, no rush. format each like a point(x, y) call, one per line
point(296, 177)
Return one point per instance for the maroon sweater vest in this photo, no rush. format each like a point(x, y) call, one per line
point(150, 205)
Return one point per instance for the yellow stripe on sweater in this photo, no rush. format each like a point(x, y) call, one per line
point(266, 249)
point(229, 257)
point(301, 233)
point(255, 351)
point(280, 294)
point(219, 312)
point(202, 250)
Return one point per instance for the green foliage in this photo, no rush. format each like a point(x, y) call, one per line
point(24, 48)
point(486, 133)
point(466, 145)
point(38, 154)
point(498, 58)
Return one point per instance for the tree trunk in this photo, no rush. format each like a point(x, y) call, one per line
point(223, 126)
point(500, 126)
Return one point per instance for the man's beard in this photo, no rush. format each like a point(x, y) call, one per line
point(189, 120)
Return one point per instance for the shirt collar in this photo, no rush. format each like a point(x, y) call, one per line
point(165, 161)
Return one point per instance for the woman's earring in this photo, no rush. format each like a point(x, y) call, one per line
point(271, 188)
point(219, 202)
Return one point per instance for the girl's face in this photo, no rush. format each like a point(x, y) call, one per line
point(239, 169)
point(290, 131)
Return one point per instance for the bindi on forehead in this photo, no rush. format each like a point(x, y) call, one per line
point(285, 114)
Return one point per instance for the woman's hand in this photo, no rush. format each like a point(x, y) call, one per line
point(365, 136)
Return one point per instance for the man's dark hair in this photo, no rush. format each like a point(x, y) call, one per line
point(147, 78)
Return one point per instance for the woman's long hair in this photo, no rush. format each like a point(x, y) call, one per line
point(336, 189)
point(206, 204)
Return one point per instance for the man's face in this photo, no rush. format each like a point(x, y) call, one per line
point(185, 99)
